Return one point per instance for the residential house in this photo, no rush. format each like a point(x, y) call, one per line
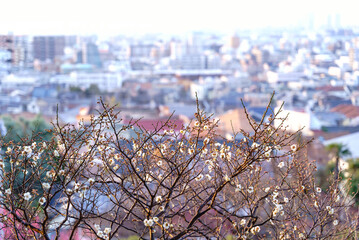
point(351, 113)
point(233, 121)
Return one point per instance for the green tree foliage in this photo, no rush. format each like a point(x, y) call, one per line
point(339, 151)
point(92, 90)
point(75, 89)
point(352, 174)
point(25, 132)
point(36, 129)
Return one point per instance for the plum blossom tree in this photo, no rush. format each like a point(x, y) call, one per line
point(91, 182)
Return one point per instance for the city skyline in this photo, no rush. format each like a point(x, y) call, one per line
point(109, 17)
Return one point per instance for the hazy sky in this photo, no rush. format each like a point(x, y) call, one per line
point(112, 17)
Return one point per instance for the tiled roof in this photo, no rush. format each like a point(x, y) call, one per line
point(329, 88)
point(349, 111)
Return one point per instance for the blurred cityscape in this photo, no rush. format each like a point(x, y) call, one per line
point(315, 73)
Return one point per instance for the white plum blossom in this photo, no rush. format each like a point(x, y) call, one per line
point(226, 178)
point(42, 200)
point(208, 162)
point(158, 198)
point(330, 209)
point(199, 177)
point(155, 219)
point(190, 151)
point(267, 189)
point(107, 230)
point(255, 230)
point(335, 222)
point(111, 161)
point(135, 146)
point(97, 227)
point(318, 189)
point(166, 225)
point(27, 196)
point(50, 174)
point(61, 147)
point(281, 165)
point(8, 191)
point(275, 211)
point(275, 193)
point(242, 222)
point(293, 147)
point(34, 162)
point(148, 178)
point(28, 149)
point(101, 148)
point(238, 188)
point(100, 234)
point(116, 167)
point(254, 145)
point(148, 222)
point(267, 153)
point(77, 186)
point(82, 194)
point(161, 208)
point(8, 150)
point(91, 180)
point(46, 185)
point(56, 153)
point(250, 189)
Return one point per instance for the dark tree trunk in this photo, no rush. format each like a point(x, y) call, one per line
point(336, 170)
